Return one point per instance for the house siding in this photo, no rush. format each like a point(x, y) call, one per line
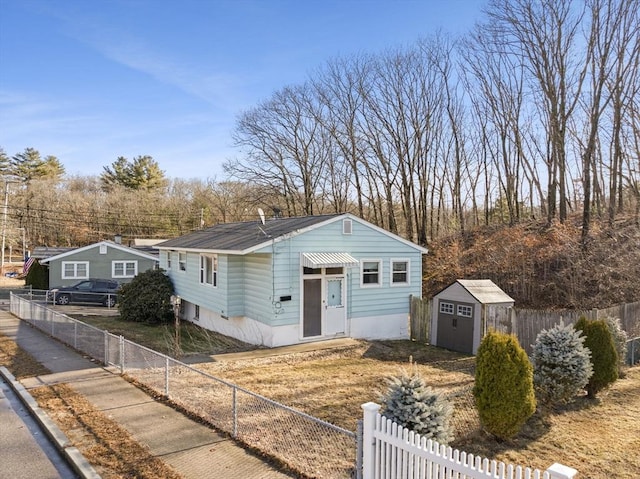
point(187, 283)
point(363, 243)
point(100, 265)
point(259, 294)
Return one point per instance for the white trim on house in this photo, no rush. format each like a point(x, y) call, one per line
point(209, 270)
point(110, 244)
point(406, 272)
point(63, 273)
point(124, 264)
point(269, 242)
point(379, 283)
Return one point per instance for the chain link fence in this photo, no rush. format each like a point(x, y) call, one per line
point(306, 444)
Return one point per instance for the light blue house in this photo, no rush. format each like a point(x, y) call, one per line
point(291, 280)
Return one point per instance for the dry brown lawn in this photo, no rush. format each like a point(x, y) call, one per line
point(600, 438)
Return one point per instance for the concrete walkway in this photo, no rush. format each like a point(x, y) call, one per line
point(193, 449)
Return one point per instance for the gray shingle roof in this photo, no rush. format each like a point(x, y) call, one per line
point(242, 236)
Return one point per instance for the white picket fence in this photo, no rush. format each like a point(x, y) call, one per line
point(393, 452)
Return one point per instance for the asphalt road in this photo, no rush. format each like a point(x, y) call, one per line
point(25, 450)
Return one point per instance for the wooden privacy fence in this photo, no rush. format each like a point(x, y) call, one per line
point(524, 323)
point(390, 451)
point(420, 318)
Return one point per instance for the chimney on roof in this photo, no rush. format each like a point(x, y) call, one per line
point(117, 239)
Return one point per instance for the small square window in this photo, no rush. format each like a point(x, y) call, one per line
point(446, 308)
point(466, 311)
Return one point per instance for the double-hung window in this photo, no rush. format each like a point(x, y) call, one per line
point(75, 269)
point(399, 272)
point(182, 261)
point(169, 253)
point(209, 270)
point(370, 273)
point(124, 269)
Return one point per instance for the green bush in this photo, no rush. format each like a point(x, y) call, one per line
point(37, 276)
point(410, 403)
point(147, 298)
point(503, 388)
point(561, 365)
point(604, 358)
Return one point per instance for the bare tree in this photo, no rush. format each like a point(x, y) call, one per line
point(543, 35)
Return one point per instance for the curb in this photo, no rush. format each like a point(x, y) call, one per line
point(73, 456)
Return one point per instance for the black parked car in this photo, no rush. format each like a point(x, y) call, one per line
point(103, 291)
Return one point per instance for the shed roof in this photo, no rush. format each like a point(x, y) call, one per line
point(485, 291)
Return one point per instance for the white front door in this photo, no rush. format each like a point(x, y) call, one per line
point(334, 306)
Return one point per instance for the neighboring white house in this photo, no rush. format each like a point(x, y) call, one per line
point(290, 280)
point(459, 313)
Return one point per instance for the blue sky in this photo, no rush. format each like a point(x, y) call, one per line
point(91, 80)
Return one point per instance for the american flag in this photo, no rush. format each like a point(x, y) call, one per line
point(27, 264)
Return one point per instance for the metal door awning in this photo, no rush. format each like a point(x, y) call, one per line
point(328, 260)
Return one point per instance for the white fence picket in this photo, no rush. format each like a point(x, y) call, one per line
point(393, 452)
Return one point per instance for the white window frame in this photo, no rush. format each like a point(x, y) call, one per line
point(75, 274)
point(462, 311)
point(196, 312)
point(347, 226)
point(446, 307)
point(182, 263)
point(103, 249)
point(363, 273)
point(394, 283)
point(124, 264)
point(214, 270)
point(169, 260)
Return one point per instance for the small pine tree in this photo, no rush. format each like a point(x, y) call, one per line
point(410, 403)
point(503, 388)
point(147, 298)
point(604, 358)
point(561, 365)
point(620, 338)
point(37, 276)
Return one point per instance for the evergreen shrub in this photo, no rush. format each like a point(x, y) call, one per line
point(410, 403)
point(147, 298)
point(503, 388)
point(620, 338)
point(37, 276)
point(561, 365)
point(604, 358)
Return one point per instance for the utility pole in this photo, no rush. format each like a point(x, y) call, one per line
point(4, 224)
